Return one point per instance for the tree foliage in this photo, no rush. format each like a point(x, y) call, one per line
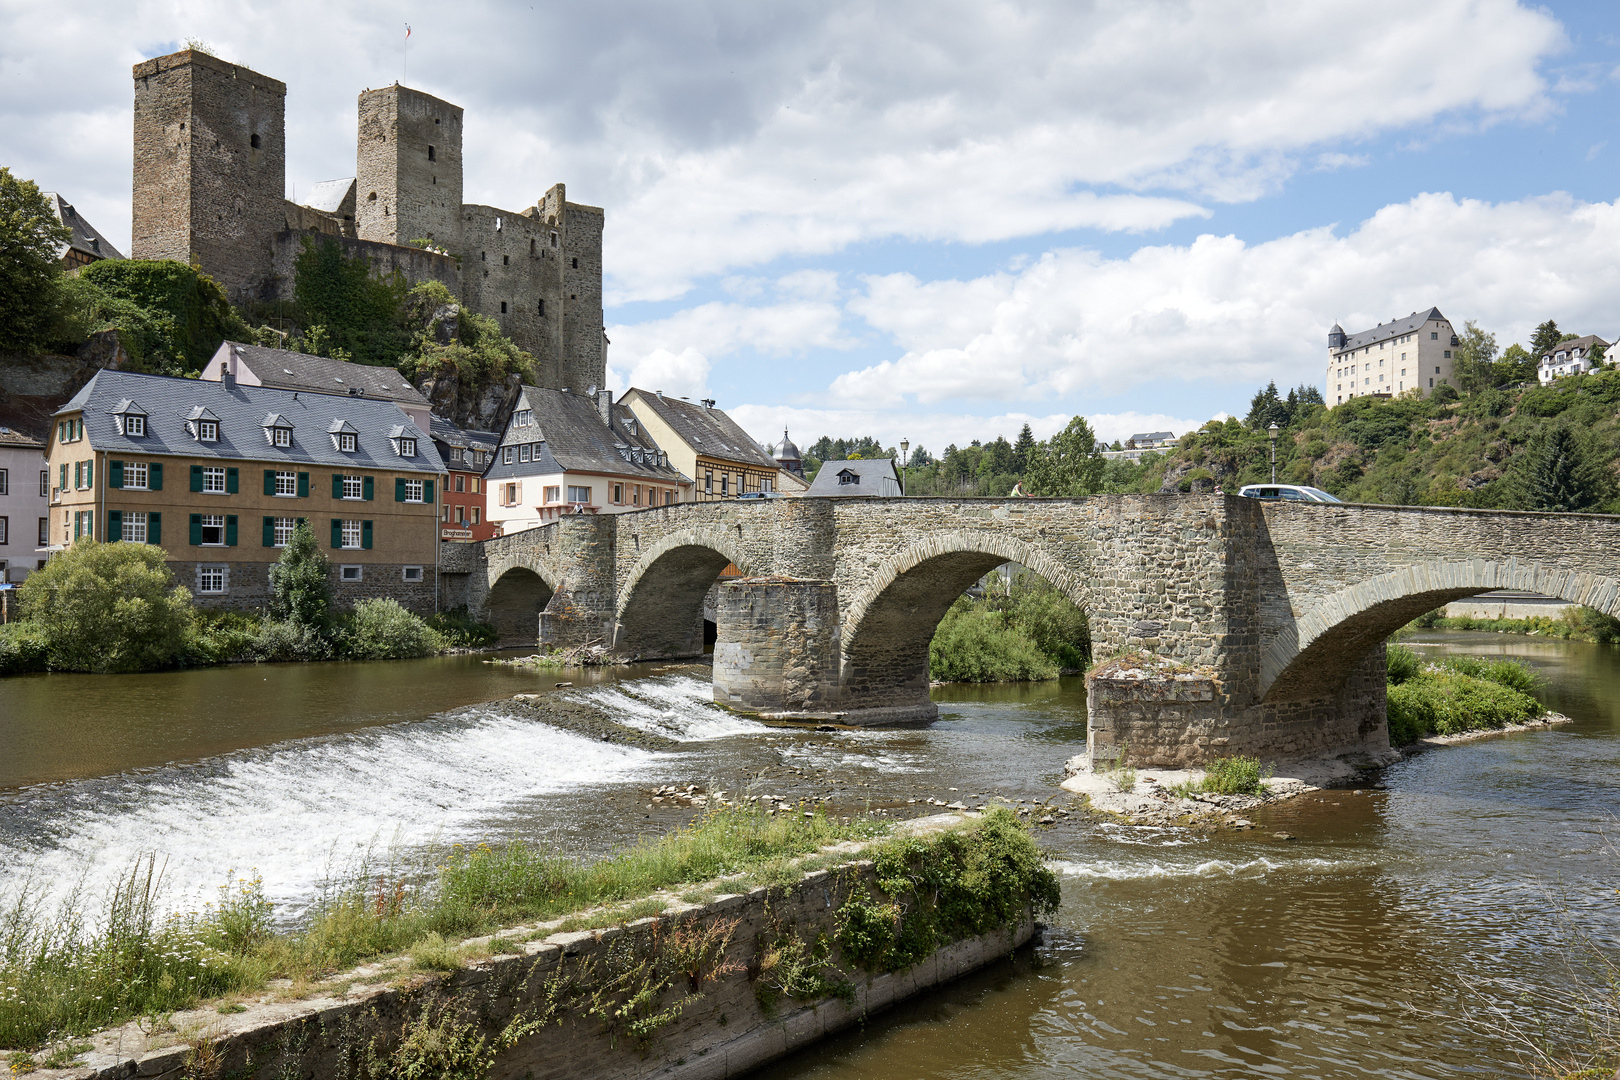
point(170, 316)
point(1473, 364)
point(1067, 464)
point(109, 608)
point(361, 315)
point(476, 351)
point(1559, 472)
point(301, 583)
point(30, 270)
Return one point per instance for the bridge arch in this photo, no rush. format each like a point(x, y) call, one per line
point(519, 591)
point(1319, 650)
point(660, 611)
point(889, 623)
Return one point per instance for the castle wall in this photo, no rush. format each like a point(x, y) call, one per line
point(583, 361)
point(509, 259)
point(408, 174)
point(416, 264)
point(210, 167)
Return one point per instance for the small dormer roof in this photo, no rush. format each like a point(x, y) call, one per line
point(339, 426)
point(201, 412)
point(404, 431)
point(128, 407)
point(275, 420)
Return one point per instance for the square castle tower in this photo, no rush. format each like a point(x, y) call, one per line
point(209, 188)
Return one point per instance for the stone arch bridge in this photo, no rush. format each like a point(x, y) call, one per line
point(1244, 627)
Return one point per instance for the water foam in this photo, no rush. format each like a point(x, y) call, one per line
point(1120, 870)
point(674, 706)
point(297, 811)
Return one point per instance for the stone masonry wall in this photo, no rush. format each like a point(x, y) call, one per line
point(247, 586)
point(777, 650)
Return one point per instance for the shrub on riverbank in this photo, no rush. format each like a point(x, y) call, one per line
point(1577, 623)
point(23, 648)
point(1023, 631)
point(109, 608)
point(1461, 694)
point(381, 629)
point(461, 630)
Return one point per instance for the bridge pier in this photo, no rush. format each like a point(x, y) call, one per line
point(776, 652)
point(581, 610)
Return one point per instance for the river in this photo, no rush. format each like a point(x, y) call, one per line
point(1360, 948)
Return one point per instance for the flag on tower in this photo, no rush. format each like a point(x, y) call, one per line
point(407, 29)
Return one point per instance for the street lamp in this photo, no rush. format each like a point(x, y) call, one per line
point(1272, 431)
point(905, 448)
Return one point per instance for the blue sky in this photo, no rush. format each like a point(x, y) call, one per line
point(940, 220)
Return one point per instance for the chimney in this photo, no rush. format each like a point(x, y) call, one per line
point(227, 373)
point(604, 405)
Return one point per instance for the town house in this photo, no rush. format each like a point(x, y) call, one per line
point(722, 459)
point(218, 474)
point(1393, 358)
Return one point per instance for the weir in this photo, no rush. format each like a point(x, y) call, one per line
point(1223, 625)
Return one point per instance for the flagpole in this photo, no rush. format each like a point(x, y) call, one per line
point(405, 57)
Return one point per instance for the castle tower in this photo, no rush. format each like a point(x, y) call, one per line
point(210, 167)
point(408, 168)
point(576, 231)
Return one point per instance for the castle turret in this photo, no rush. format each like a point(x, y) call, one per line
point(210, 168)
point(1336, 337)
point(408, 168)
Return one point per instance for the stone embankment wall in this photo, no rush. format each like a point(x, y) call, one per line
point(543, 995)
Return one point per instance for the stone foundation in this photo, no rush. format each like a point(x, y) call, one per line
point(777, 646)
point(247, 586)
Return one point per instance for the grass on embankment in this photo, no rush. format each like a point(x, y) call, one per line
point(64, 973)
point(1456, 694)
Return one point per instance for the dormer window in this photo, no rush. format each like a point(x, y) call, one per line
point(346, 442)
point(131, 419)
point(208, 430)
point(277, 430)
point(407, 446)
point(135, 426)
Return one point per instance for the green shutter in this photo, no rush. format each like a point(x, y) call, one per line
point(303, 485)
point(154, 528)
point(337, 533)
point(230, 530)
point(78, 475)
point(399, 489)
point(90, 473)
point(232, 482)
point(63, 482)
point(365, 534)
point(196, 478)
point(196, 530)
point(154, 476)
point(115, 474)
point(427, 491)
point(269, 481)
point(367, 489)
point(269, 532)
point(337, 485)
point(115, 525)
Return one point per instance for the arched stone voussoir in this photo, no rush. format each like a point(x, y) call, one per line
point(1316, 654)
point(964, 542)
point(721, 541)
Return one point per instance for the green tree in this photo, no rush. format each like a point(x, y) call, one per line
point(1561, 472)
point(1267, 408)
point(109, 608)
point(301, 582)
point(1067, 464)
point(1515, 365)
point(361, 316)
point(30, 270)
point(1022, 447)
point(477, 352)
point(1474, 359)
point(1545, 337)
point(170, 316)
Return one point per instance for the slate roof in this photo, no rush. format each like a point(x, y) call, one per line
point(569, 436)
point(1393, 328)
point(466, 438)
point(1585, 344)
point(86, 237)
point(707, 430)
point(786, 450)
point(11, 438)
point(300, 371)
point(877, 477)
point(328, 195)
point(240, 410)
point(1150, 438)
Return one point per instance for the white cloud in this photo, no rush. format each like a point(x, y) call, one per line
point(721, 135)
point(1075, 323)
point(682, 374)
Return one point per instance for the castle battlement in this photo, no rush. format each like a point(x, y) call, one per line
point(210, 182)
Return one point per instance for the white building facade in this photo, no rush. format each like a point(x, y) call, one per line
point(1413, 353)
point(25, 505)
point(1575, 356)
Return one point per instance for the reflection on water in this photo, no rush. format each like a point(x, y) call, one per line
point(1354, 950)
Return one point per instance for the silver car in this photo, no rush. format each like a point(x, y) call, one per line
point(1287, 493)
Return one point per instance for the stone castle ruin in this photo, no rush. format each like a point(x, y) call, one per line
point(210, 177)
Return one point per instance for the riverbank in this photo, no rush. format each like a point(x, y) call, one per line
point(695, 979)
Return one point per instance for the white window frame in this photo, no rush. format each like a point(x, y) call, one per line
point(351, 572)
point(134, 527)
point(213, 521)
point(211, 574)
point(280, 436)
point(407, 446)
point(5, 534)
point(414, 491)
point(346, 442)
point(5, 481)
point(411, 573)
point(288, 481)
point(281, 531)
point(523, 453)
point(506, 455)
point(213, 480)
point(513, 493)
point(208, 431)
point(134, 426)
point(350, 530)
point(356, 485)
point(44, 483)
point(137, 475)
point(553, 493)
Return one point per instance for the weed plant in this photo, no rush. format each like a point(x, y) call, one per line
point(1234, 776)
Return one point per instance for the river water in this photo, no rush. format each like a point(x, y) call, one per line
point(1369, 945)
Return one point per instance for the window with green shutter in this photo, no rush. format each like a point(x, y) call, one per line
point(269, 481)
point(90, 473)
point(154, 528)
point(367, 489)
point(62, 482)
point(232, 482)
point(230, 530)
point(154, 476)
point(78, 477)
point(269, 532)
point(337, 532)
point(337, 485)
point(399, 489)
point(115, 525)
point(427, 491)
point(303, 485)
point(115, 475)
point(196, 484)
point(196, 525)
point(365, 534)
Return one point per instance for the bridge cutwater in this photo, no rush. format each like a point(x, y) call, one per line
point(1222, 625)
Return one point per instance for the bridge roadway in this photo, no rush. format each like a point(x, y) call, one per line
point(1234, 625)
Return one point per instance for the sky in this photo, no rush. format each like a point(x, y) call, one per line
point(940, 220)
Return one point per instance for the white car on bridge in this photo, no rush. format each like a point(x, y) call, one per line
point(1287, 493)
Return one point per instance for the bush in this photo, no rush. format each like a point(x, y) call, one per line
point(23, 648)
point(461, 631)
point(170, 316)
point(223, 636)
point(1445, 701)
point(979, 646)
point(380, 629)
point(301, 581)
point(1233, 776)
point(109, 607)
point(284, 640)
point(1402, 662)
